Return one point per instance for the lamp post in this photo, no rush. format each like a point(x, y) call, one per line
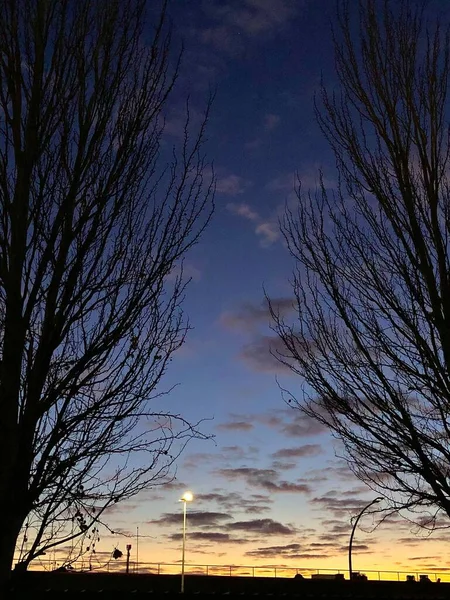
point(375, 501)
point(185, 498)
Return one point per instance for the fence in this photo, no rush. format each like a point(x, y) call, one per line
point(113, 566)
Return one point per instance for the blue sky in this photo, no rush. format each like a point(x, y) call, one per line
point(268, 488)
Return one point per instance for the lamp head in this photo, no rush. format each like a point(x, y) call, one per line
point(187, 497)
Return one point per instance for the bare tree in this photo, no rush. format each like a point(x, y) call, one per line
point(93, 225)
point(372, 277)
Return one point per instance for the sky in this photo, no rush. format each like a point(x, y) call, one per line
point(270, 487)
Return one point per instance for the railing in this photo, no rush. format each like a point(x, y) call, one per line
point(160, 568)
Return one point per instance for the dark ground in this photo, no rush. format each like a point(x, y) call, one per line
point(203, 587)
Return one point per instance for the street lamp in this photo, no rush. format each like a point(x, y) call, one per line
point(185, 498)
point(375, 501)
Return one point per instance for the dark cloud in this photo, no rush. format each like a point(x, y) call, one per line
point(323, 545)
point(298, 452)
point(300, 425)
point(234, 501)
point(227, 454)
point(335, 529)
point(409, 541)
point(357, 549)
point(275, 551)
point(255, 509)
point(172, 484)
point(340, 472)
point(291, 422)
point(310, 556)
point(280, 551)
point(120, 509)
point(239, 452)
point(278, 465)
point(336, 537)
point(235, 426)
point(196, 518)
point(261, 526)
point(260, 355)
point(249, 317)
point(267, 479)
point(361, 489)
point(193, 460)
point(207, 536)
point(339, 506)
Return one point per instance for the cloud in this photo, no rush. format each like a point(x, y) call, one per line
point(227, 454)
point(231, 185)
point(198, 458)
point(249, 316)
point(267, 479)
point(268, 353)
point(294, 551)
point(275, 551)
point(278, 465)
point(235, 426)
point(292, 422)
point(272, 552)
point(358, 549)
point(197, 518)
point(339, 506)
point(308, 179)
point(243, 210)
point(271, 121)
point(234, 501)
point(267, 230)
point(299, 451)
point(238, 452)
point(261, 526)
point(339, 471)
point(323, 545)
point(237, 23)
point(299, 425)
point(259, 354)
point(207, 536)
point(261, 17)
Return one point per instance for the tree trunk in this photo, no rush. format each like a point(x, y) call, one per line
point(8, 538)
point(13, 488)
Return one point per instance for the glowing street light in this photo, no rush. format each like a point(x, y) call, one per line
point(185, 498)
point(375, 501)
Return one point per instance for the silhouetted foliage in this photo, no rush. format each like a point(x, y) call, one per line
point(93, 230)
point(372, 278)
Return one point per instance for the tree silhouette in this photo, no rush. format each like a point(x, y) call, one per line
point(94, 225)
point(372, 277)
